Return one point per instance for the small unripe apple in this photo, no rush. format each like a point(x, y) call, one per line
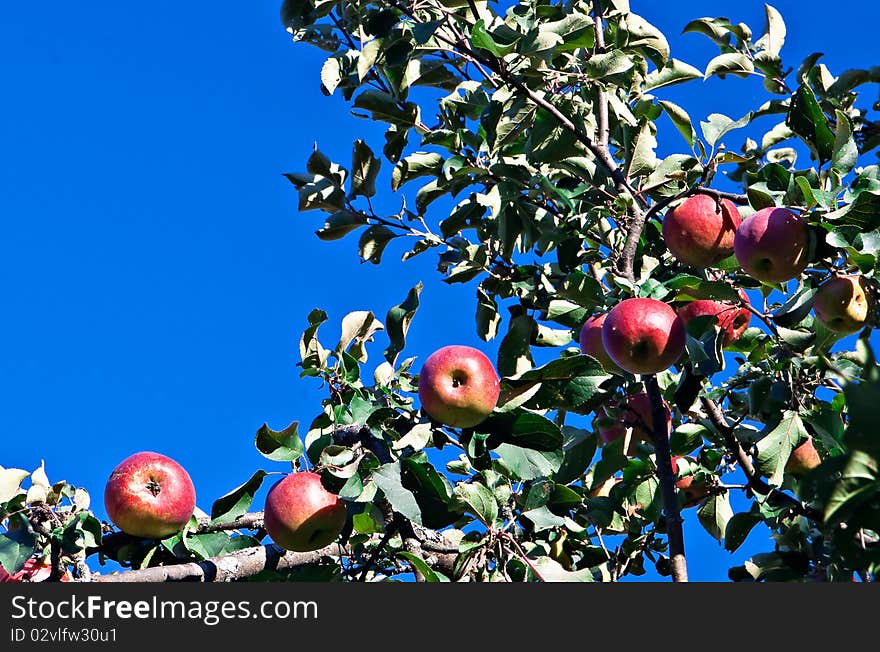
point(458, 386)
point(804, 458)
point(590, 341)
point(693, 492)
point(700, 230)
point(635, 413)
point(149, 495)
point(733, 319)
point(643, 336)
point(841, 303)
point(301, 515)
point(772, 245)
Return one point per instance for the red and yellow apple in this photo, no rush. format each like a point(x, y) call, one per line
point(693, 492)
point(149, 495)
point(841, 303)
point(458, 386)
point(733, 319)
point(643, 336)
point(590, 341)
point(700, 230)
point(301, 515)
point(35, 569)
point(803, 459)
point(772, 245)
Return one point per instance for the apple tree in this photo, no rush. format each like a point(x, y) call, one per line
point(521, 144)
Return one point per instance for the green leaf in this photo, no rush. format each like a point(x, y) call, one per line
point(16, 547)
point(738, 528)
point(10, 483)
point(862, 401)
point(384, 108)
point(774, 35)
point(681, 120)
point(552, 571)
point(719, 125)
point(600, 66)
point(417, 164)
point(515, 352)
point(579, 447)
point(859, 482)
point(806, 119)
point(398, 321)
point(674, 72)
point(419, 564)
point(238, 501)
point(432, 491)
point(714, 515)
point(575, 29)
point(775, 447)
point(358, 328)
point(340, 224)
point(479, 501)
point(529, 464)
point(312, 354)
point(388, 478)
point(845, 154)
point(488, 319)
point(636, 33)
point(280, 446)
point(364, 170)
point(480, 38)
point(523, 428)
point(373, 242)
point(793, 311)
point(732, 63)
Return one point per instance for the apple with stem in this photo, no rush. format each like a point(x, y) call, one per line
point(772, 245)
point(643, 336)
point(841, 303)
point(301, 515)
point(149, 495)
point(700, 230)
point(458, 386)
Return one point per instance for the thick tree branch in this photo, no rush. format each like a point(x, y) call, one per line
point(671, 509)
point(756, 483)
point(226, 568)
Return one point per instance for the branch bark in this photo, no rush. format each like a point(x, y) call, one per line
point(671, 509)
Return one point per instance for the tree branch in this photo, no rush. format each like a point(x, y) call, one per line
point(756, 483)
point(671, 509)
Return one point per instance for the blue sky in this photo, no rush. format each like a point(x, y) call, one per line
point(155, 274)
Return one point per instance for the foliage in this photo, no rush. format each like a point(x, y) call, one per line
point(522, 141)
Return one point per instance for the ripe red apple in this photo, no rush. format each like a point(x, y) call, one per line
point(643, 336)
point(591, 342)
point(700, 230)
point(841, 304)
point(804, 458)
point(693, 493)
point(458, 386)
point(35, 569)
point(635, 413)
point(772, 245)
point(301, 515)
point(149, 495)
point(733, 319)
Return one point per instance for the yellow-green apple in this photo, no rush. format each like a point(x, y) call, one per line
point(841, 304)
point(35, 569)
point(643, 336)
point(693, 492)
point(635, 414)
point(149, 495)
point(301, 515)
point(732, 318)
point(772, 245)
point(699, 231)
point(458, 386)
point(591, 342)
point(603, 490)
point(804, 458)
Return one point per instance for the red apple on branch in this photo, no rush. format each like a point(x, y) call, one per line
point(301, 515)
point(803, 459)
point(590, 341)
point(841, 303)
point(643, 336)
point(733, 319)
point(694, 492)
point(458, 386)
point(149, 495)
point(35, 569)
point(700, 230)
point(772, 245)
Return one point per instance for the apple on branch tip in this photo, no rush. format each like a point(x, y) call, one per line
point(643, 336)
point(700, 230)
point(842, 304)
point(803, 459)
point(149, 495)
point(458, 386)
point(301, 515)
point(693, 492)
point(590, 340)
point(772, 245)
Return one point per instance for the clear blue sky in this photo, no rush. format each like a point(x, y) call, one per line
point(155, 274)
